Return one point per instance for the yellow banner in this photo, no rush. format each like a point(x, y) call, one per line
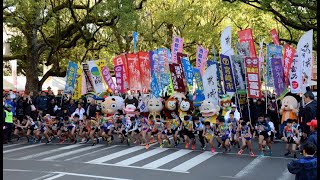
point(101, 63)
point(78, 85)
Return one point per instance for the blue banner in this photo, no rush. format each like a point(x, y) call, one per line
point(71, 76)
point(152, 62)
point(214, 54)
point(155, 90)
point(164, 67)
point(226, 66)
point(198, 77)
point(273, 51)
point(188, 70)
point(135, 40)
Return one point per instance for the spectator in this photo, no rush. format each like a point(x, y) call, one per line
point(52, 108)
point(43, 102)
point(307, 113)
point(10, 102)
point(313, 133)
point(80, 110)
point(8, 123)
point(92, 108)
point(306, 167)
point(235, 111)
point(71, 107)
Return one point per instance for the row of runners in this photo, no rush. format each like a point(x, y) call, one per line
point(147, 130)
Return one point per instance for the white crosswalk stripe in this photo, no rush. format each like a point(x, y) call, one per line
point(21, 148)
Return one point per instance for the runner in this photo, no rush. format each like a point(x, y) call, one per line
point(263, 128)
point(246, 138)
point(290, 135)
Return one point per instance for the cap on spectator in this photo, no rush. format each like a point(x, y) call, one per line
point(234, 106)
point(313, 123)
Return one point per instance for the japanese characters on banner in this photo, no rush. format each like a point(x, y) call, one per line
point(314, 64)
point(225, 40)
point(275, 37)
point(133, 72)
point(155, 89)
point(177, 46)
point(96, 77)
point(164, 55)
point(238, 68)
point(77, 86)
point(287, 60)
point(243, 49)
point(201, 58)
point(261, 57)
point(253, 77)
point(198, 78)
point(119, 74)
point(180, 56)
point(121, 60)
point(277, 74)
point(246, 36)
point(71, 76)
point(273, 51)
point(210, 83)
point(88, 80)
point(108, 78)
point(177, 77)
point(188, 70)
point(144, 62)
point(304, 49)
point(226, 66)
point(295, 75)
point(153, 55)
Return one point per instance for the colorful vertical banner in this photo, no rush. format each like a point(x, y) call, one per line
point(287, 60)
point(273, 51)
point(177, 77)
point(71, 76)
point(314, 65)
point(155, 89)
point(177, 46)
point(77, 88)
point(121, 60)
point(210, 83)
point(304, 49)
point(96, 77)
point(261, 57)
point(238, 68)
point(277, 74)
point(243, 49)
point(14, 66)
point(164, 54)
point(226, 66)
point(295, 75)
point(225, 40)
point(253, 77)
point(201, 58)
point(134, 71)
point(144, 62)
point(83, 82)
point(198, 77)
point(246, 36)
point(188, 70)
point(119, 74)
point(108, 78)
point(135, 40)
point(100, 64)
point(275, 37)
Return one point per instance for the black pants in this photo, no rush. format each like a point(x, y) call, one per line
point(8, 132)
point(201, 138)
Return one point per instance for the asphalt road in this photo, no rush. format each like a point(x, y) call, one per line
point(120, 162)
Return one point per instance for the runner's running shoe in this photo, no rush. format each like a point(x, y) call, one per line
point(212, 150)
point(240, 152)
point(261, 154)
point(187, 146)
point(193, 147)
point(147, 146)
point(251, 154)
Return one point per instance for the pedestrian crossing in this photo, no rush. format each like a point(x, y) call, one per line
point(155, 158)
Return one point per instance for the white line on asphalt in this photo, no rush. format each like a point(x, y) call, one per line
point(164, 160)
point(90, 153)
point(17, 170)
point(140, 157)
point(286, 175)
point(11, 145)
point(249, 167)
point(194, 161)
point(170, 138)
point(25, 147)
point(70, 153)
point(116, 155)
point(55, 177)
point(35, 155)
point(42, 177)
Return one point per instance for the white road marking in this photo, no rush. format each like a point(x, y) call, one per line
point(10, 145)
point(286, 175)
point(35, 155)
point(164, 160)
point(194, 161)
point(249, 167)
point(69, 153)
point(140, 157)
point(55, 177)
point(91, 153)
point(17, 149)
point(42, 177)
point(115, 155)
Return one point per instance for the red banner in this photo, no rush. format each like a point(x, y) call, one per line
point(119, 74)
point(253, 77)
point(121, 60)
point(287, 60)
point(144, 62)
point(275, 37)
point(180, 56)
point(177, 76)
point(133, 71)
point(246, 36)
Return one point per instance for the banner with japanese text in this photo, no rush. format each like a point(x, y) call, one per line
point(108, 78)
point(278, 77)
point(155, 90)
point(119, 74)
point(96, 77)
point(121, 60)
point(210, 83)
point(83, 82)
point(219, 86)
point(88, 80)
point(71, 76)
point(180, 56)
point(177, 77)
point(201, 58)
point(273, 51)
point(253, 77)
point(198, 78)
point(275, 37)
point(243, 49)
point(238, 68)
point(261, 58)
point(227, 74)
point(287, 61)
point(144, 62)
point(164, 55)
point(246, 36)
point(78, 83)
point(100, 64)
point(133, 71)
point(304, 49)
point(177, 46)
point(188, 70)
point(225, 40)
point(295, 75)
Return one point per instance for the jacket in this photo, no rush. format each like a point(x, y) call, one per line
point(313, 139)
point(309, 112)
point(42, 103)
point(304, 168)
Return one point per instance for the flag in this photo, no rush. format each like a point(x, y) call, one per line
point(71, 76)
point(225, 40)
point(198, 78)
point(177, 77)
point(96, 77)
point(155, 90)
point(133, 71)
point(201, 58)
point(295, 75)
point(108, 78)
point(275, 37)
point(238, 69)
point(210, 83)
point(277, 74)
point(273, 51)
point(145, 77)
point(188, 70)
point(243, 49)
point(253, 77)
point(288, 56)
point(135, 40)
point(177, 46)
point(246, 36)
point(121, 60)
point(227, 73)
point(78, 83)
point(119, 74)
